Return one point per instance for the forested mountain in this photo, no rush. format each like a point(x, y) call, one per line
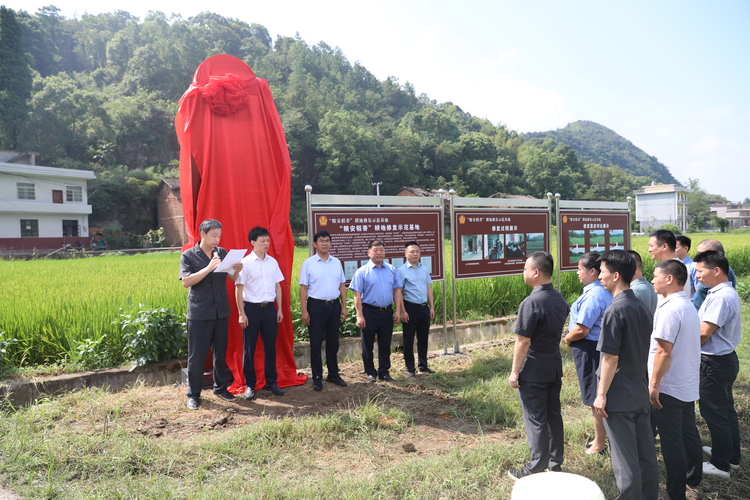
point(597, 144)
point(105, 91)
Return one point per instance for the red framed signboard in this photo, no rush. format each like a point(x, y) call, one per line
point(583, 231)
point(497, 242)
point(351, 232)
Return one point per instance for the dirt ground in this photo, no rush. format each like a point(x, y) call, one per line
point(435, 427)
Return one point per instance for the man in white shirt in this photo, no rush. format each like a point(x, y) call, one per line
point(721, 332)
point(257, 289)
point(674, 376)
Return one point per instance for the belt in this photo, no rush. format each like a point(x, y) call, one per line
point(326, 302)
point(414, 304)
point(386, 308)
point(259, 304)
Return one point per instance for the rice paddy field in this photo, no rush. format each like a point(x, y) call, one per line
point(51, 306)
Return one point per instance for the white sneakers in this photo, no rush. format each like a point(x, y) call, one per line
point(710, 470)
point(707, 452)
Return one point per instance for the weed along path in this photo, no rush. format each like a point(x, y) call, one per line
point(450, 435)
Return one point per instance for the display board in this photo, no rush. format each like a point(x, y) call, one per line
point(352, 231)
point(496, 242)
point(583, 231)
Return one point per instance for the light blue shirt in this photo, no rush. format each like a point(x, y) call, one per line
point(722, 308)
point(322, 277)
point(415, 279)
point(376, 284)
point(588, 309)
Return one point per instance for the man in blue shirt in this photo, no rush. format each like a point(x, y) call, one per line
point(418, 310)
point(376, 288)
point(322, 295)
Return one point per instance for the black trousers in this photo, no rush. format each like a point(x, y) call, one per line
point(717, 407)
point(544, 425)
point(259, 320)
point(633, 453)
point(419, 324)
point(202, 336)
point(325, 320)
point(680, 444)
point(377, 324)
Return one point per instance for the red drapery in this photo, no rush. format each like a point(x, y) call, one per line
point(235, 168)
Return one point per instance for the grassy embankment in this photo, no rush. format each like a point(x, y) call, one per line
point(85, 445)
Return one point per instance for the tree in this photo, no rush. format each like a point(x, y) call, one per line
point(698, 207)
point(15, 79)
point(550, 167)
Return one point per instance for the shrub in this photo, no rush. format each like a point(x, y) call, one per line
point(673, 228)
point(152, 335)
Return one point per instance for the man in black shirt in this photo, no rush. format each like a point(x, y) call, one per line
point(208, 312)
point(537, 366)
point(622, 395)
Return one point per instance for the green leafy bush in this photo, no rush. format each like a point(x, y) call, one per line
point(152, 335)
point(743, 289)
point(106, 352)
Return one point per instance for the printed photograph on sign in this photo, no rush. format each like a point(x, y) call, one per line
point(534, 243)
point(350, 266)
point(471, 247)
point(514, 248)
point(427, 262)
point(575, 253)
point(596, 240)
point(616, 239)
point(577, 238)
point(495, 246)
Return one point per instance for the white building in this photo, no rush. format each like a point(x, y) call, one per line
point(40, 207)
point(737, 214)
point(662, 204)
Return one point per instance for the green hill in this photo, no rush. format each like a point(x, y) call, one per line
point(596, 143)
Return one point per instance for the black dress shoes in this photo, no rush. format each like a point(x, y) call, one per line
point(274, 388)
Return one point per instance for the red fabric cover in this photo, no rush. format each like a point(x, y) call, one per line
point(235, 168)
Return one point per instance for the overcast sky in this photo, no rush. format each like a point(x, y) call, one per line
point(671, 76)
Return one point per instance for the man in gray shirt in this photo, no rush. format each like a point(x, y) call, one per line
point(640, 285)
point(721, 332)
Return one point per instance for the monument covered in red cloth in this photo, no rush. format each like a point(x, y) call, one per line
point(235, 168)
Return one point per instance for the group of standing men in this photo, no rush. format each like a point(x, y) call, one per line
point(378, 288)
point(658, 353)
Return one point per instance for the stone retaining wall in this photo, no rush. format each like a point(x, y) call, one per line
point(24, 392)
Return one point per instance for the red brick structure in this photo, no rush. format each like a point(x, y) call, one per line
point(169, 212)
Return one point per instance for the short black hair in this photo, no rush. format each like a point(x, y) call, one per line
point(209, 224)
point(665, 236)
point(637, 257)
point(321, 234)
point(590, 261)
point(675, 268)
point(619, 261)
point(256, 233)
point(684, 241)
point(542, 262)
point(712, 259)
point(410, 243)
point(375, 243)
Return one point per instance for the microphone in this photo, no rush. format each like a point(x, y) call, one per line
point(214, 252)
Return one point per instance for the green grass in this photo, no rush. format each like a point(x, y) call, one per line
point(85, 444)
